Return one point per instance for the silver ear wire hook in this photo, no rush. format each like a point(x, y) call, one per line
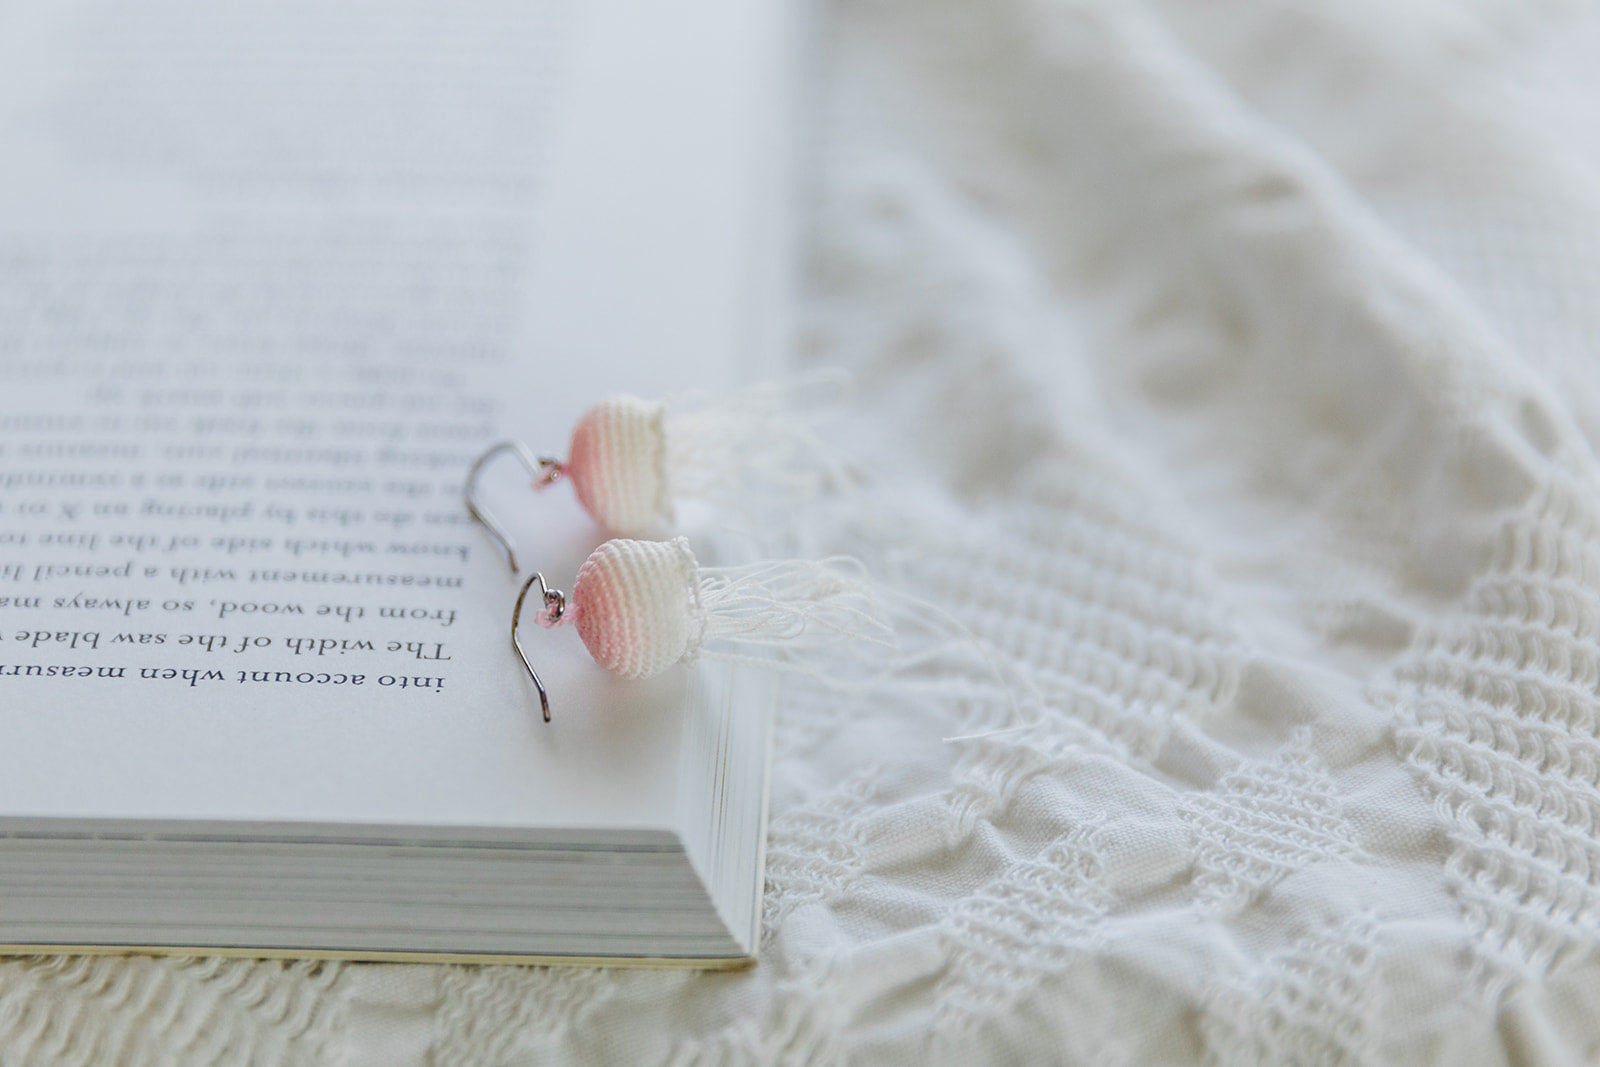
point(546, 470)
point(555, 604)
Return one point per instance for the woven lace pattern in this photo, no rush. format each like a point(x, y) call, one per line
point(1498, 709)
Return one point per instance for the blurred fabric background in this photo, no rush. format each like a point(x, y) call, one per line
point(1234, 370)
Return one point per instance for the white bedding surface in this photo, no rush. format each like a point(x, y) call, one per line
point(1234, 370)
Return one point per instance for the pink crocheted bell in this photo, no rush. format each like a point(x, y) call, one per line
point(617, 464)
point(637, 606)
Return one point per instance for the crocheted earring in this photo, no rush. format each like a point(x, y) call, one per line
point(643, 606)
point(631, 461)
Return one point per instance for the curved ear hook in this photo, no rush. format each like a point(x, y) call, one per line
point(555, 604)
point(546, 470)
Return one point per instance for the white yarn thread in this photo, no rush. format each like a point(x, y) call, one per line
point(751, 451)
point(874, 649)
point(793, 604)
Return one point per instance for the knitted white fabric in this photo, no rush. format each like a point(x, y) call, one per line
point(637, 605)
point(617, 462)
point(1232, 368)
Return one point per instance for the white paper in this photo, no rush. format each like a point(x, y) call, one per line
point(270, 276)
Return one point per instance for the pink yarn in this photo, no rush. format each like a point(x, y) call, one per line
point(618, 467)
point(638, 605)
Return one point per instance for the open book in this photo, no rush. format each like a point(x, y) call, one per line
point(271, 275)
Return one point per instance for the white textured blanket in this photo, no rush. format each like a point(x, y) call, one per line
point(1234, 369)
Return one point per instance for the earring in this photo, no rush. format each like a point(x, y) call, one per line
point(631, 461)
point(641, 607)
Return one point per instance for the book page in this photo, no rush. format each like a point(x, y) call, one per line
point(271, 276)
